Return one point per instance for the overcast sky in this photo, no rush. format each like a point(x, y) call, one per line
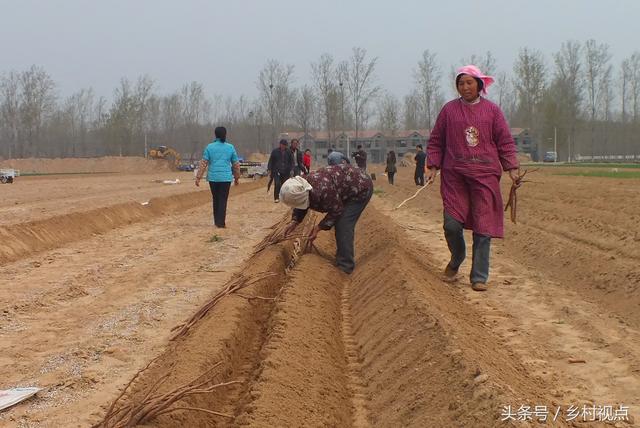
point(224, 44)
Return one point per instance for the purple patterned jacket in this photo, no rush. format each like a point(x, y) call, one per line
point(333, 187)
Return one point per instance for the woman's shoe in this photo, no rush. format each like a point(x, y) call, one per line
point(450, 274)
point(479, 286)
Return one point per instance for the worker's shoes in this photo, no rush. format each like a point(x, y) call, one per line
point(450, 273)
point(276, 201)
point(479, 286)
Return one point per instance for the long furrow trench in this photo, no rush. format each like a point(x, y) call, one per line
point(295, 342)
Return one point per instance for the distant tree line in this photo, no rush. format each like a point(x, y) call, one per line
point(577, 96)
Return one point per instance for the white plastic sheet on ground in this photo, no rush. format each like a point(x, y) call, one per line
point(10, 397)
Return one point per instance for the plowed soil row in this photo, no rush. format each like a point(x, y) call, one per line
point(20, 240)
point(391, 345)
point(82, 318)
point(563, 284)
point(40, 197)
point(130, 165)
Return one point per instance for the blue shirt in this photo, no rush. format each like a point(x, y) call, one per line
point(221, 156)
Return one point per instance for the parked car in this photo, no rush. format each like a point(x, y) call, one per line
point(8, 175)
point(550, 157)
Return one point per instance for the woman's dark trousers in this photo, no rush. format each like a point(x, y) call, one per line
point(453, 232)
point(220, 194)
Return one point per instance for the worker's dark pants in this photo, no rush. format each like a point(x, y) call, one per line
point(390, 176)
point(419, 177)
point(220, 194)
point(278, 179)
point(345, 234)
point(453, 232)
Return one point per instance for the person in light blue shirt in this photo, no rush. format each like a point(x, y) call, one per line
point(221, 162)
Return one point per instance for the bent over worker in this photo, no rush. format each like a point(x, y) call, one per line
point(342, 192)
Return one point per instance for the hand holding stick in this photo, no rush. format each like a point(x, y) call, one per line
point(427, 184)
point(517, 179)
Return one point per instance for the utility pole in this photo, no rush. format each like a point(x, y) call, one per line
point(555, 143)
point(273, 121)
point(344, 131)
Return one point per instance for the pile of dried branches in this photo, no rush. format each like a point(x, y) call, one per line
point(242, 281)
point(154, 404)
point(277, 234)
point(277, 230)
point(234, 286)
point(513, 196)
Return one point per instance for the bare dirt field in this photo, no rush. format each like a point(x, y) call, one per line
point(119, 309)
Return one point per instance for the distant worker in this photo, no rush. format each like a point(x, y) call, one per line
point(391, 166)
point(471, 145)
point(298, 161)
point(329, 151)
point(306, 160)
point(342, 192)
point(361, 158)
point(280, 167)
point(420, 158)
point(221, 162)
point(337, 158)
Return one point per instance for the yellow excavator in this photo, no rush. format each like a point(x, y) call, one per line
point(167, 153)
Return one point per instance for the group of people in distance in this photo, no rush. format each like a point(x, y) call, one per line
point(286, 162)
point(420, 159)
point(470, 145)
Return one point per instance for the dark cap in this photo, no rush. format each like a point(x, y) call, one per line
point(284, 142)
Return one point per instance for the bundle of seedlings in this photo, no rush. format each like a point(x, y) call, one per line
point(277, 234)
point(513, 196)
point(243, 281)
point(234, 286)
point(154, 404)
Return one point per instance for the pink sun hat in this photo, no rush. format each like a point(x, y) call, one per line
point(474, 71)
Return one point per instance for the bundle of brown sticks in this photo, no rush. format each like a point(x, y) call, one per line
point(233, 287)
point(154, 404)
point(513, 196)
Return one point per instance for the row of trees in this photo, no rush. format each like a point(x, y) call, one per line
point(576, 95)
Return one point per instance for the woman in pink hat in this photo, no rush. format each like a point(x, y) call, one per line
point(471, 145)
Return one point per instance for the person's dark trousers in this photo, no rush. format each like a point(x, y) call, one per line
point(345, 234)
point(390, 176)
point(453, 232)
point(278, 179)
point(481, 253)
point(220, 195)
point(419, 177)
point(297, 171)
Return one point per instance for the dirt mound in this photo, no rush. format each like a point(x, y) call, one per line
point(131, 165)
point(228, 340)
point(407, 159)
point(389, 346)
point(258, 157)
point(19, 240)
